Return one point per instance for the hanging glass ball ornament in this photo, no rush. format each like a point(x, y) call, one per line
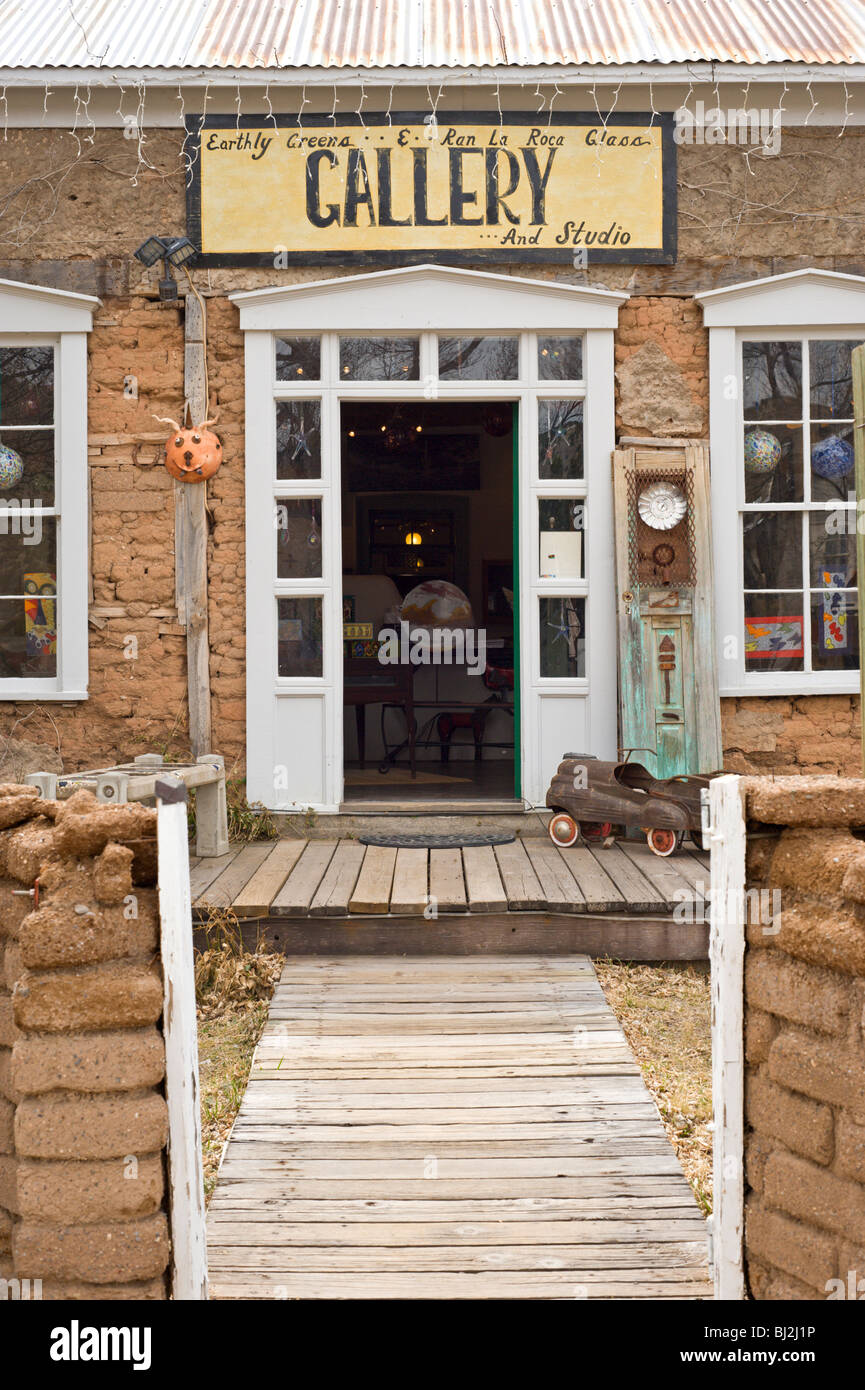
point(832, 457)
point(762, 452)
point(11, 467)
point(662, 506)
point(497, 420)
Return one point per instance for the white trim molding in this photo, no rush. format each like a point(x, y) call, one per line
point(808, 304)
point(37, 315)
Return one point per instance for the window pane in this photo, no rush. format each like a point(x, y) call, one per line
point(560, 359)
point(833, 547)
point(298, 538)
point(298, 439)
point(832, 462)
point(26, 386)
point(774, 632)
point(772, 550)
point(563, 636)
point(772, 381)
point(831, 378)
point(28, 623)
point(27, 468)
point(773, 464)
point(298, 359)
point(300, 637)
point(834, 630)
point(479, 359)
point(560, 439)
point(561, 526)
point(379, 359)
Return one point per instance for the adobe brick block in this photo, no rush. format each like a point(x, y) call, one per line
point(14, 907)
point(8, 1182)
point(85, 826)
point(93, 1190)
point(806, 800)
point(88, 1062)
point(7, 1089)
point(112, 874)
point(758, 1147)
point(791, 1246)
point(8, 1031)
point(814, 860)
point(760, 1030)
point(27, 849)
point(815, 1195)
point(826, 934)
point(7, 1118)
point(109, 1253)
point(95, 997)
point(16, 804)
point(803, 1125)
point(6, 1224)
point(13, 965)
point(820, 1069)
point(794, 990)
point(97, 1126)
point(54, 1290)
point(850, 1149)
point(84, 933)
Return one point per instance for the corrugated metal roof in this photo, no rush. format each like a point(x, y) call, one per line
point(274, 34)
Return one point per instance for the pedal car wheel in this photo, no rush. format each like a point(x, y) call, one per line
point(595, 829)
point(563, 830)
point(663, 842)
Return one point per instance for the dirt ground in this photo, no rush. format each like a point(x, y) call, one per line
point(665, 1012)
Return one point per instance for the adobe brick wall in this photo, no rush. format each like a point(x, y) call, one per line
point(736, 221)
point(83, 1121)
point(805, 1037)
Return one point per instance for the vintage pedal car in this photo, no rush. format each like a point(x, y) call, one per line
point(591, 799)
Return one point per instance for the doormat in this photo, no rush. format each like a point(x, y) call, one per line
point(452, 841)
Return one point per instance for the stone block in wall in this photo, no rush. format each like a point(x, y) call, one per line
point(654, 396)
point(814, 1195)
point(27, 848)
point(820, 1069)
point(95, 1253)
point(88, 1062)
point(804, 1125)
point(90, 1126)
point(145, 1291)
point(811, 801)
point(8, 1030)
point(7, 1118)
point(807, 1254)
point(85, 826)
point(90, 1190)
point(16, 804)
point(803, 993)
point(94, 997)
point(760, 1031)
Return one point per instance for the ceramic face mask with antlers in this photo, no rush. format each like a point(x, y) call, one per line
point(192, 455)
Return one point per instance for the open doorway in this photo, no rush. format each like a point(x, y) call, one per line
point(429, 600)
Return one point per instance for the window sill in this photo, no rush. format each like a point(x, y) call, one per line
point(848, 685)
point(8, 695)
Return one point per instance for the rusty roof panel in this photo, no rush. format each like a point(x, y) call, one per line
point(285, 34)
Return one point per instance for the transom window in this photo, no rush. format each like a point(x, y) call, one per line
point(797, 513)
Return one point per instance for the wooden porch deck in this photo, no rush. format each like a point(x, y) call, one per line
point(449, 1128)
point(524, 896)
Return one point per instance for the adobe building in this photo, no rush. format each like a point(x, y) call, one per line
point(527, 337)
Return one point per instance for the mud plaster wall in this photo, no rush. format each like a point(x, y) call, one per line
point(805, 1038)
point(83, 1121)
point(72, 212)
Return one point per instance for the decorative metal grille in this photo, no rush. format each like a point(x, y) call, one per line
point(649, 560)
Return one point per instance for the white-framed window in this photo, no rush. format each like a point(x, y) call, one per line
point(44, 522)
point(783, 489)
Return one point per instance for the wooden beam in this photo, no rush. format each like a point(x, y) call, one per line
point(857, 360)
point(190, 545)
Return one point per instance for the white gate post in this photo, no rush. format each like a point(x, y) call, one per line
point(180, 1027)
point(727, 953)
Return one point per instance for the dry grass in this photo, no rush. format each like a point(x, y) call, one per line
point(233, 988)
point(665, 1012)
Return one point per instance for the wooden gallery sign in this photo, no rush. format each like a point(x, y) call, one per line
point(462, 188)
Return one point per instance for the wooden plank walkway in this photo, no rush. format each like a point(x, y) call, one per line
point(449, 1128)
point(342, 878)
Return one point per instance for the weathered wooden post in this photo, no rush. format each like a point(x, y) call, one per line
point(857, 358)
point(190, 544)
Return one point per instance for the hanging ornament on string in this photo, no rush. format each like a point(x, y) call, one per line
point(11, 467)
point(832, 457)
point(762, 452)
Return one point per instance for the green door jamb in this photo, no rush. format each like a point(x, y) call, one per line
point(518, 771)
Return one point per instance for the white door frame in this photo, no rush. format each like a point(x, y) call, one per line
point(295, 726)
